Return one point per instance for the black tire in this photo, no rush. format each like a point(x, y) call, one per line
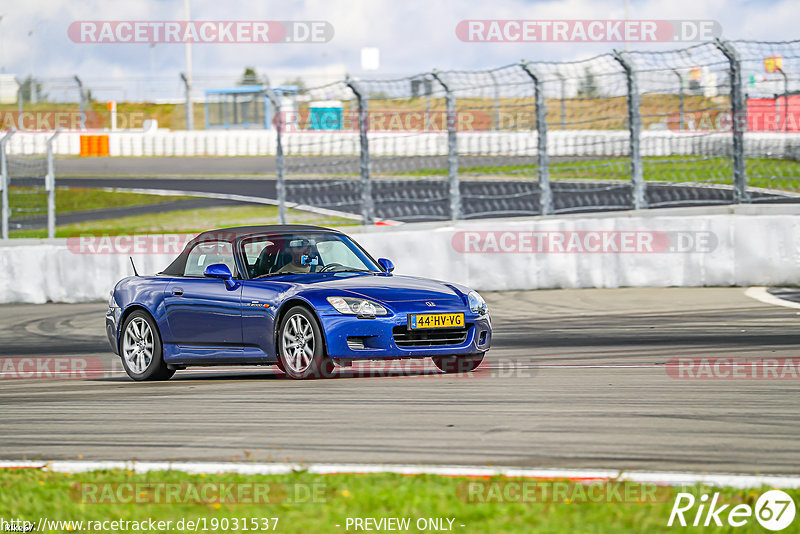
point(458, 364)
point(155, 368)
point(299, 360)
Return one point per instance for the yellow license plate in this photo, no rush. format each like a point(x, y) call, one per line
point(435, 320)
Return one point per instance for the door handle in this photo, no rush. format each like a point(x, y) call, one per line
point(177, 291)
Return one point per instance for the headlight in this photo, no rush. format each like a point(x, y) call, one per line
point(356, 306)
point(111, 302)
point(476, 303)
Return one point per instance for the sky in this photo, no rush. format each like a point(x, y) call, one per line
point(411, 35)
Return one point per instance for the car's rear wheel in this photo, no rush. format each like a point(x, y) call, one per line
point(141, 349)
point(301, 349)
point(458, 364)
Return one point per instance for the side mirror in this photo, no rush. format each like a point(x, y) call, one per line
point(221, 271)
point(387, 265)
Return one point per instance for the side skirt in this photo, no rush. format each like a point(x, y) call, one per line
point(206, 355)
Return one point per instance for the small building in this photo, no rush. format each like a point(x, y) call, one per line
point(325, 115)
point(776, 114)
point(9, 89)
point(245, 106)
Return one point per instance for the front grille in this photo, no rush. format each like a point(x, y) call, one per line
point(404, 337)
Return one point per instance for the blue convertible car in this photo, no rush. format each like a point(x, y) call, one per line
point(304, 298)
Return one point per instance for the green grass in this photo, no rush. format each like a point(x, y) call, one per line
point(72, 199)
point(317, 503)
point(762, 172)
point(185, 221)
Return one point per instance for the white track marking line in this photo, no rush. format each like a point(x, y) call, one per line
point(761, 294)
point(656, 477)
point(245, 198)
point(587, 366)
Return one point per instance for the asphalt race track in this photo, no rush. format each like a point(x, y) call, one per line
point(419, 200)
point(576, 379)
point(331, 183)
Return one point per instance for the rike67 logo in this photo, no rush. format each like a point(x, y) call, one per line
point(774, 510)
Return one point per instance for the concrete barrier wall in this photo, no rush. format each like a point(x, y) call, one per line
point(606, 143)
point(720, 249)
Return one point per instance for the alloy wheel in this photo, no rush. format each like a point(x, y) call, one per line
point(137, 345)
point(298, 343)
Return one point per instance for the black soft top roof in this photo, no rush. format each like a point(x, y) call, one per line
point(176, 268)
point(231, 234)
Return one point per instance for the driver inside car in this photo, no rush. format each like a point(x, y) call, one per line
point(303, 258)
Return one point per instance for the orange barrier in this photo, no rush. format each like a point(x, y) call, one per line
point(94, 145)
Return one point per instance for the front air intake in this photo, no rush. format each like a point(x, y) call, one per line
point(355, 343)
point(404, 337)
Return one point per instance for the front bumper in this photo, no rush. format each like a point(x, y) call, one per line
point(113, 316)
point(378, 336)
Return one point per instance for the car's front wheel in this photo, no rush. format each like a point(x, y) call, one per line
point(141, 349)
point(458, 364)
point(301, 349)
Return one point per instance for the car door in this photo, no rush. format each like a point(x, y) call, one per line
point(261, 255)
point(203, 312)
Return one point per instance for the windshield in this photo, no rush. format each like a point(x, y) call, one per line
point(304, 254)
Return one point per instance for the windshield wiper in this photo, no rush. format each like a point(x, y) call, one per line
point(267, 275)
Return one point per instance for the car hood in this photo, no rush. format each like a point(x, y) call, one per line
point(386, 289)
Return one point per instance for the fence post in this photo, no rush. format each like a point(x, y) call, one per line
point(737, 115)
point(452, 150)
point(785, 101)
point(187, 86)
point(496, 105)
point(542, 160)
point(635, 128)
point(50, 187)
point(680, 98)
point(20, 103)
point(4, 183)
point(81, 100)
point(562, 97)
point(280, 169)
point(367, 207)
